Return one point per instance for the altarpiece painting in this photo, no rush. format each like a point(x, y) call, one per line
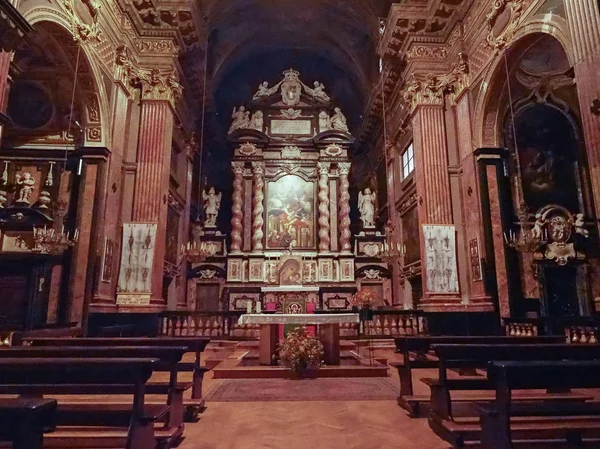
point(290, 213)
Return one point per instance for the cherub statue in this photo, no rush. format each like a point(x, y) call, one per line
point(338, 121)
point(366, 207)
point(241, 119)
point(579, 225)
point(212, 204)
point(318, 91)
point(264, 90)
point(536, 231)
point(27, 182)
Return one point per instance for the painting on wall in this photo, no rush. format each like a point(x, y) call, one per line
point(137, 258)
point(475, 260)
point(290, 213)
point(547, 154)
point(290, 271)
point(172, 249)
point(410, 236)
point(440, 259)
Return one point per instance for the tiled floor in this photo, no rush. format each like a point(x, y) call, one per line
point(308, 425)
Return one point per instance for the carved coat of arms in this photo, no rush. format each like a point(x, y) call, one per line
point(291, 88)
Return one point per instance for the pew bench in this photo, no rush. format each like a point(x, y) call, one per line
point(92, 425)
point(194, 345)
point(23, 421)
point(168, 360)
point(454, 419)
point(417, 354)
point(506, 424)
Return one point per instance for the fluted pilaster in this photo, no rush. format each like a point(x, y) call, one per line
point(152, 179)
point(431, 154)
point(324, 226)
point(345, 234)
point(584, 23)
point(153, 156)
point(238, 215)
point(258, 171)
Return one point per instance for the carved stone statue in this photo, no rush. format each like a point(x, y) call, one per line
point(324, 122)
point(26, 182)
point(366, 207)
point(264, 90)
point(257, 121)
point(338, 121)
point(241, 119)
point(318, 92)
point(536, 231)
point(212, 204)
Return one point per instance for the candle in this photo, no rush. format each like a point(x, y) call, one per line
point(249, 307)
point(258, 307)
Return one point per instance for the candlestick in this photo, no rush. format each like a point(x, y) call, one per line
point(258, 307)
point(249, 307)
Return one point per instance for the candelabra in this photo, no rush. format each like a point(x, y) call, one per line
point(530, 238)
point(392, 253)
point(50, 241)
point(195, 253)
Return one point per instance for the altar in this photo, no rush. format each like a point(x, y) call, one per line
point(328, 325)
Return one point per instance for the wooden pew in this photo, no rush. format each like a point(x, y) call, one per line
point(417, 354)
point(193, 344)
point(17, 337)
point(91, 425)
point(577, 425)
point(444, 410)
point(24, 420)
point(168, 359)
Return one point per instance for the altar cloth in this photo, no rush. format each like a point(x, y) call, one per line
point(298, 318)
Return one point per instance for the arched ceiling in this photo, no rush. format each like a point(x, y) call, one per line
point(329, 40)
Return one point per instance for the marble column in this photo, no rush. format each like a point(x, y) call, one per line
point(584, 23)
point(324, 226)
point(258, 209)
point(345, 234)
point(237, 213)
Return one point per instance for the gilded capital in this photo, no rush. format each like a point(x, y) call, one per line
point(258, 168)
point(323, 168)
point(237, 167)
point(160, 86)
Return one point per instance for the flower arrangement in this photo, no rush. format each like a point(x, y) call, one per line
point(300, 351)
point(364, 299)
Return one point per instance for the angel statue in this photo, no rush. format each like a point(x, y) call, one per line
point(264, 90)
point(241, 119)
point(212, 204)
point(27, 183)
point(318, 92)
point(366, 207)
point(338, 121)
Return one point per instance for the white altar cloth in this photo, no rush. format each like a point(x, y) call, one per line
point(298, 318)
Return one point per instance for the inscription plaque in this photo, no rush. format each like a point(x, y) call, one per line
point(291, 127)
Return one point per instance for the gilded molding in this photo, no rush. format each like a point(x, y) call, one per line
point(82, 32)
point(502, 39)
point(430, 89)
point(154, 84)
point(421, 51)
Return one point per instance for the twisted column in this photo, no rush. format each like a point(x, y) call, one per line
point(238, 215)
point(324, 227)
point(258, 170)
point(344, 170)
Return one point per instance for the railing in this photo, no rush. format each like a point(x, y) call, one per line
point(575, 329)
point(385, 324)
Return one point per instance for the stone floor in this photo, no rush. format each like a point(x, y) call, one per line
point(313, 425)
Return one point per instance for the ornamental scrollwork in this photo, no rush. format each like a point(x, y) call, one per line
point(500, 40)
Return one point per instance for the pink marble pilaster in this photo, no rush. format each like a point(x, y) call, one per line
point(584, 24)
point(470, 197)
point(433, 187)
point(5, 60)
point(152, 180)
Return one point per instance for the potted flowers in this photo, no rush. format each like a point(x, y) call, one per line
point(363, 302)
point(301, 352)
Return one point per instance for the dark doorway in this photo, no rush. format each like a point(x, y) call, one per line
point(560, 293)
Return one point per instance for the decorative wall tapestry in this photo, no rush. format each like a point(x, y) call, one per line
point(290, 213)
point(440, 259)
point(137, 257)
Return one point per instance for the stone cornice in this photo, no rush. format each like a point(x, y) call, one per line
point(13, 27)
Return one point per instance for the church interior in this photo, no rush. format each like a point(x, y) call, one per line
point(279, 224)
